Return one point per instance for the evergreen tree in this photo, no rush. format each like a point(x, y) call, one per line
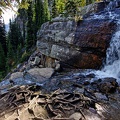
point(23, 15)
point(58, 7)
point(19, 53)
point(14, 35)
point(2, 59)
point(10, 57)
point(3, 37)
point(30, 40)
point(39, 14)
point(55, 11)
point(46, 11)
point(72, 7)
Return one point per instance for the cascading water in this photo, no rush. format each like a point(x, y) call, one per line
point(112, 66)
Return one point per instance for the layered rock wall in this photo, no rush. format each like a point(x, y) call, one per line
point(79, 44)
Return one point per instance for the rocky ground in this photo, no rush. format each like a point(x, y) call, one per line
point(32, 92)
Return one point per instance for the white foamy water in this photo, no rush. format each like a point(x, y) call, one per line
point(112, 65)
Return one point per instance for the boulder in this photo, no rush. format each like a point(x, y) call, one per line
point(41, 74)
point(93, 8)
point(16, 75)
point(79, 44)
point(108, 85)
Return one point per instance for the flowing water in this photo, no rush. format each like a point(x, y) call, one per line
point(112, 65)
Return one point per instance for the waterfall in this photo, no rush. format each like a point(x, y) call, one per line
point(112, 65)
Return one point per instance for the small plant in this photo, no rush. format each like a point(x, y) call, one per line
point(25, 56)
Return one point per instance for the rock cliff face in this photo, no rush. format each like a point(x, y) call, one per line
point(79, 44)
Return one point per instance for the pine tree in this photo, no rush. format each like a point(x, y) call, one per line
point(30, 40)
point(14, 35)
point(10, 57)
point(46, 11)
point(19, 53)
point(2, 62)
point(39, 14)
point(23, 15)
point(72, 7)
point(3, 37)
point(58, 7)
point(54, 9)
point(2, 59)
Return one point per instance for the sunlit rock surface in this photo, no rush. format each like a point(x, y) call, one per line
point(80, 44)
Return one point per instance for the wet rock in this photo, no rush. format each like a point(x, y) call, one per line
point(66, 83)
point(89, 92)
point(96, 82)
point(100, 96)
point(86, 82)
point(108, 85)
point(79, 90)
point(114, 4)
point(118, 89)
point(79, 76)
point(90, 75)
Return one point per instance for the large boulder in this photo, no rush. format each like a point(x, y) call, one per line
point(93, 8)
point(79, 44)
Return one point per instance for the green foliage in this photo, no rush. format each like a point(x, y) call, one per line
point(2, 75)
point(30, 41)
point(2, 59)
point(25, 56)
point(72, 7)
point(2, 50)
point(22, 15)
point(7, 4)
point(42, 13)
point(14, 35)
point(39, 13)
point(46, 11)
point(3, 37)
point(19, 53)
point(58, 7)
point(10, 61)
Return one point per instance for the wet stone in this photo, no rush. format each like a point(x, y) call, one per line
point(100, 96)
point(90, 75)
point(78, 76)
point(108, 85)
point(86, 82)
point(79, 90)
point(89, 92)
